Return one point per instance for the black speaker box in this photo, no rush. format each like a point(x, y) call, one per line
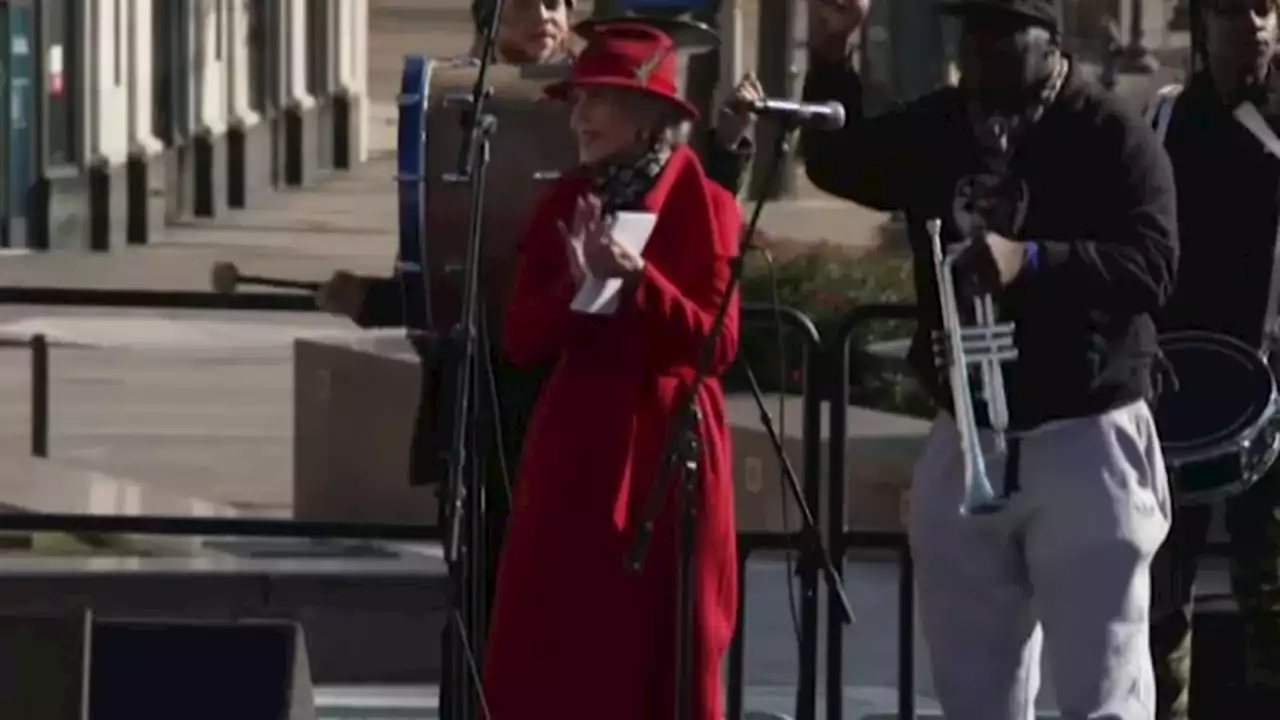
point(82, 668)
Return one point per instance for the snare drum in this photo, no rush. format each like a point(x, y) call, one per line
point(1218, 423)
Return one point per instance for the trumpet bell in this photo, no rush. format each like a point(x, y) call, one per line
point(981, 499)
point(980, 509)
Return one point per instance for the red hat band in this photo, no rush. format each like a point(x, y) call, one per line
point(630, 56)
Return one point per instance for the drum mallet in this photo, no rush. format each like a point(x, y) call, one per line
point(225, 277)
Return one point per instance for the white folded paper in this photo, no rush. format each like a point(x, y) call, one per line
point(599, 296)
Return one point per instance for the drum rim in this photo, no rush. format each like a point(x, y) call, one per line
point(1179, 453)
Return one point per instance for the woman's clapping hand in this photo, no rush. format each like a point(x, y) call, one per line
point(592, 248)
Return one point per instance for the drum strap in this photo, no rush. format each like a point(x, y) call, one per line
point(1161, 109)
point(1158, 115)
point(1247, 115)
point(1270, 333)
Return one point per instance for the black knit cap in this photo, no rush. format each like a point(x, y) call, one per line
point(480, 10)
point(1042, 13)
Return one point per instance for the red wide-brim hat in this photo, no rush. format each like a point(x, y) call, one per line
point(629, 56)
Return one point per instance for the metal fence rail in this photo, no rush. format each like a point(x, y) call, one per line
point(842, 368)
point(170, 299)
point(827, 372)
point(813, 357)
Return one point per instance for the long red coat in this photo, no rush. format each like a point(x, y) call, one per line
point(574, 634)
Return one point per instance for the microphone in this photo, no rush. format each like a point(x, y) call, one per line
point(823, 116)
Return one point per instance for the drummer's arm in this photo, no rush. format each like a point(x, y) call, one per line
point(877, 162)
point(383, 304)
point(727, 160)
point(1134, 267)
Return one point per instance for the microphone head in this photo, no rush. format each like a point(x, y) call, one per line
point(835, 119)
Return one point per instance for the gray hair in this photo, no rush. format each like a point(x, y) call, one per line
point(667, 124)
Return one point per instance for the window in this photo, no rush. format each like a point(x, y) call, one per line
point(61, 45)
point(161, 60)
point(317, 47)
point(260, 29)
point(118, 22)
point(170, 89)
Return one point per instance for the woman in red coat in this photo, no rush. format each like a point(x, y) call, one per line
point(575, 635)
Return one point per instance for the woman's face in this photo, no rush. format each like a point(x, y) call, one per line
point(609, 122)
point(533, 30)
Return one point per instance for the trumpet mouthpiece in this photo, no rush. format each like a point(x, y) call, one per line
point(224, 277)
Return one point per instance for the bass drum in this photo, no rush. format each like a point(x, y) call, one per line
point(531, 147)
point(1218, 423)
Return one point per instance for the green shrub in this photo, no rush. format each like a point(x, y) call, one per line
point(826, 281)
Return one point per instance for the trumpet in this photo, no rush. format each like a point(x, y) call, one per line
point(985, 344)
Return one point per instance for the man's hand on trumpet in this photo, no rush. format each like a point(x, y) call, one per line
point(994, 261)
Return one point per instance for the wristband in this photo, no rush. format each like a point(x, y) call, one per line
point(1033, 255)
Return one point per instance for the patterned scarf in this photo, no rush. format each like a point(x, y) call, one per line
point(622, 184)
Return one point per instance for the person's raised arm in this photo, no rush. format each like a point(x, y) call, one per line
point(729, 148)
point(869, 160)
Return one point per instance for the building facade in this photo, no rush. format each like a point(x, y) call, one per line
point(119, 117)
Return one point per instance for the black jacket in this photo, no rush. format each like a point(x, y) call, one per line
point(1101, 210)
point(1228, 199)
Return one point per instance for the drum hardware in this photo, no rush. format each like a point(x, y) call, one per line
point(225, 277)
point(539, 176)
point(411, 175)
point(411, 98)
point(1220, 426)
point(985, 344)
point(407, 266)
point(463, 100)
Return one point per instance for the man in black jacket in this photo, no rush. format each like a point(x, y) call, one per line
point(1228, 181)
point(1080, 248)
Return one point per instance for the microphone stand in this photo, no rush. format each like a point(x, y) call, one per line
point(463, 500)
point(680, 457)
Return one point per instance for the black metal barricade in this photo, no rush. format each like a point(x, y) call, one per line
point(802, 326)
point(171, 299)
point(752, 315)
point(826, 378)
point(841, 366)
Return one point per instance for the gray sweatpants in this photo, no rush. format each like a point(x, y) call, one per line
point(1067, 560)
